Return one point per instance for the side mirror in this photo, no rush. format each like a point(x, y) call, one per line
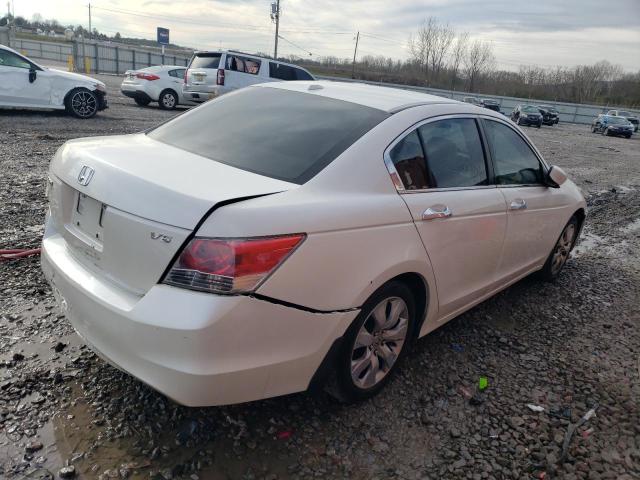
point(556, 176)
point(32, 75)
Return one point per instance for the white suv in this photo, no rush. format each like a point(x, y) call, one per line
point(211, 74)
point(25, 84)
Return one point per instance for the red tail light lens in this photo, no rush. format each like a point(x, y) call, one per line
point(230, 265)
point(220, 77)
point(147, 76)
point(186, 75)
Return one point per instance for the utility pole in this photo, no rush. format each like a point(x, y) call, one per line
point(275, 15)
point(355, 51)
point(90, 31)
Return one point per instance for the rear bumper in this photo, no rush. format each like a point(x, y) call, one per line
point(198, 349)
point(202, 93)
point(136, 95)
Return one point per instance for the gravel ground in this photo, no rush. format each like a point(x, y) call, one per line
point(568, 347)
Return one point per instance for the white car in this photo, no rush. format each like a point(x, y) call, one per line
point(290, 234)
point(211, 74)
point(162, 84)
point(25, 84)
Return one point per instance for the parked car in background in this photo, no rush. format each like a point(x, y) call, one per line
point(628, 115)
point(490, 104)
point(612, 125)
point(26, 84)
point(472, 101)
point(211, 74)
point(162, 84)
point(550, 115)
point(315, 231)
point(527, 115)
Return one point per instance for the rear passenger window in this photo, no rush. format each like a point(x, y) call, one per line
point(513, 160)
point(454, 153)
point(237, 63)
point(282, 72)
point(408, 158)
point(178, 73)
point(302, 75)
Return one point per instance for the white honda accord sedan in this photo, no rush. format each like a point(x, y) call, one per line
point(293, 234)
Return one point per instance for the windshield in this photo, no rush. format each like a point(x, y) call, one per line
point(274, 132)
point(205, 60)
point(616, 120)
point(530, 109)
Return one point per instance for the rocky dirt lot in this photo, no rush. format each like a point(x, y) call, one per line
point(570, 347)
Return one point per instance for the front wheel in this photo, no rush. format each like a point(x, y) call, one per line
point(560, 253)
point(82, 103)
point(168, 100)
point(374, 343)
point(143, 102)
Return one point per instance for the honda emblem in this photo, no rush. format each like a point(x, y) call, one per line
point(85, 175)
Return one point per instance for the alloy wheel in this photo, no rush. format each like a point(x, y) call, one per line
point(379, 342)
point(563, 248)
point(84, 104)
point(168, 100)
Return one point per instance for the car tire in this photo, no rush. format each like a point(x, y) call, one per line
point(538, 125)
point(561, 250)
point(594, 129)
point(628, 136)
point(81, 103)
point(368, 358)
point(143, 102)
point(168, 100)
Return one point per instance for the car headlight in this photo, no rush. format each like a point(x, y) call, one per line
point(524, 115)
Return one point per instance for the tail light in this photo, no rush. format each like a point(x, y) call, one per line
point(237, 265)
point(147, 76)
point(220, 77)
point(186, 75)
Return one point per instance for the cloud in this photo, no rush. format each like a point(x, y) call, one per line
point(546, 32)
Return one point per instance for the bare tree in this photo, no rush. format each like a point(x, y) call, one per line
point(442, 40)
point(430, 45)
point(478, 60)
point(458, 55)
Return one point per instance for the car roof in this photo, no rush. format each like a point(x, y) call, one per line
point(387, 99)
point(251, 55)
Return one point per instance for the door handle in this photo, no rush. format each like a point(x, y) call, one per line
point(437, 211)
point(518, 204)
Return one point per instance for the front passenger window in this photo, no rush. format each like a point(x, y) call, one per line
point(513, 160)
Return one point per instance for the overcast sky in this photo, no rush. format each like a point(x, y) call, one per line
point(542, 32)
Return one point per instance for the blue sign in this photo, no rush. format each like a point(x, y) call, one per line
point(163, 36)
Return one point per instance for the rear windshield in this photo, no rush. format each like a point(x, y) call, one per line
point(205, 60)
point(529, 109)
point(278, 133)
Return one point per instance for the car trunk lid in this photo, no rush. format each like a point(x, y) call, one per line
point(126, 204)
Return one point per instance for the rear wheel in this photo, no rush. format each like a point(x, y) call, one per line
point(374, 343)
point(560, 253)
point(168, 100)
point(143, 102)
point(82, 103)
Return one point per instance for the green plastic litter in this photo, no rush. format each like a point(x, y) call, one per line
point(483, 383)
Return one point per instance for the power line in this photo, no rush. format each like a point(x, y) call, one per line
point(297, 46)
